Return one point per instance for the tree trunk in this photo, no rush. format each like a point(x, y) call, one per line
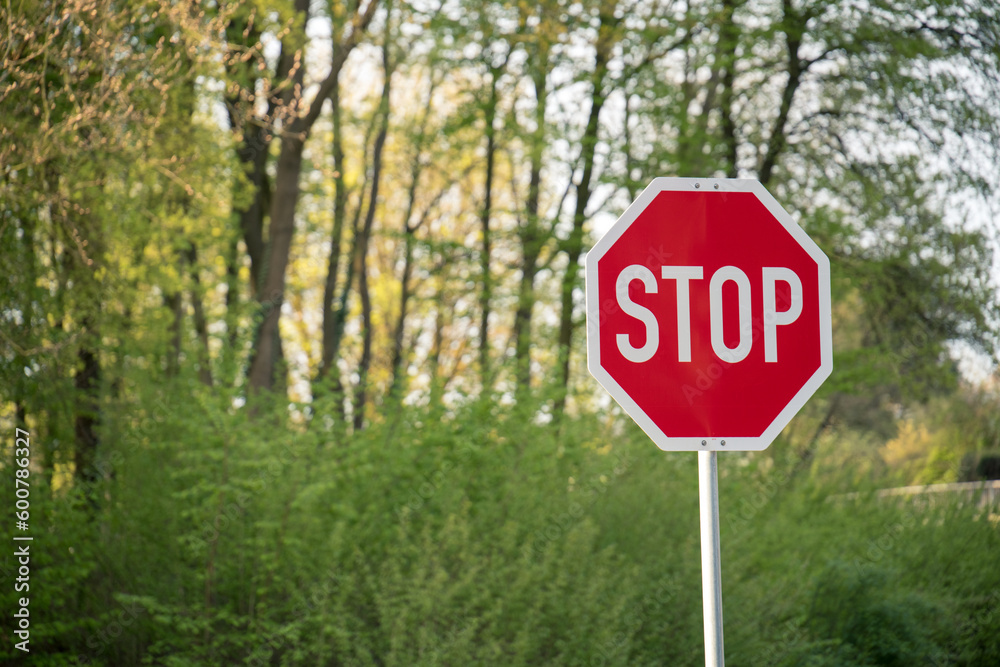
point(486, 295)
point(200, 322)
point(175, 303)
point(400, 328)
point(267, 345)
point(530, 250)
point(333, 320)
point(530, 233)
point(364, 364)
point(232, 304)
point(338, 317)
point(688, 93)
point(728, 38)
point(410, 228)
point(253, 155)
point(361, 247)
point(282, 226)
point(275, 256)
point(87, 420)
point(777, 141)
point(409, 238)
point(808, 453)
point(630, 184)
point(574, 244)
point(434, 358)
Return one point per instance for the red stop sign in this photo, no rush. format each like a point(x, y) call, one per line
point(708, 314)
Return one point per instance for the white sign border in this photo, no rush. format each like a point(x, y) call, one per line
point(717, 443)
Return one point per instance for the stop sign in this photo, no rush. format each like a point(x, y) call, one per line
point(708, 314)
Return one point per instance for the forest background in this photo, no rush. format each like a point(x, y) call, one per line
point(291, 308)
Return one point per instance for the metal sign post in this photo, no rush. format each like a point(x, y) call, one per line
point(657, 326)
point(711, 562)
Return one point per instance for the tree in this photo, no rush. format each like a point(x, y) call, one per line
point(98, 153)
point(295, 128)
point(840, 111)
point(607, 37)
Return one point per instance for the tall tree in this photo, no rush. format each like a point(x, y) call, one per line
point(486, 219)
point(607, 36)
point(85, 92)
point(412, 220)
point(295, 128)
point(363, 237)
point(334, 310)
point(531, 231)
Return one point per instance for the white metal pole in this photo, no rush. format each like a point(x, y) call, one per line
point(711, 571)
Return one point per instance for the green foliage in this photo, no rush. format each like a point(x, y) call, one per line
point(454, 528)
point(868, 622)
point(481, 537)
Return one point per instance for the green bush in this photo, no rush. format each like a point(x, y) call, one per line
point(483, 538)
point(866, 621)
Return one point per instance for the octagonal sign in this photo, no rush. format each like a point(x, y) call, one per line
point(708, 314)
